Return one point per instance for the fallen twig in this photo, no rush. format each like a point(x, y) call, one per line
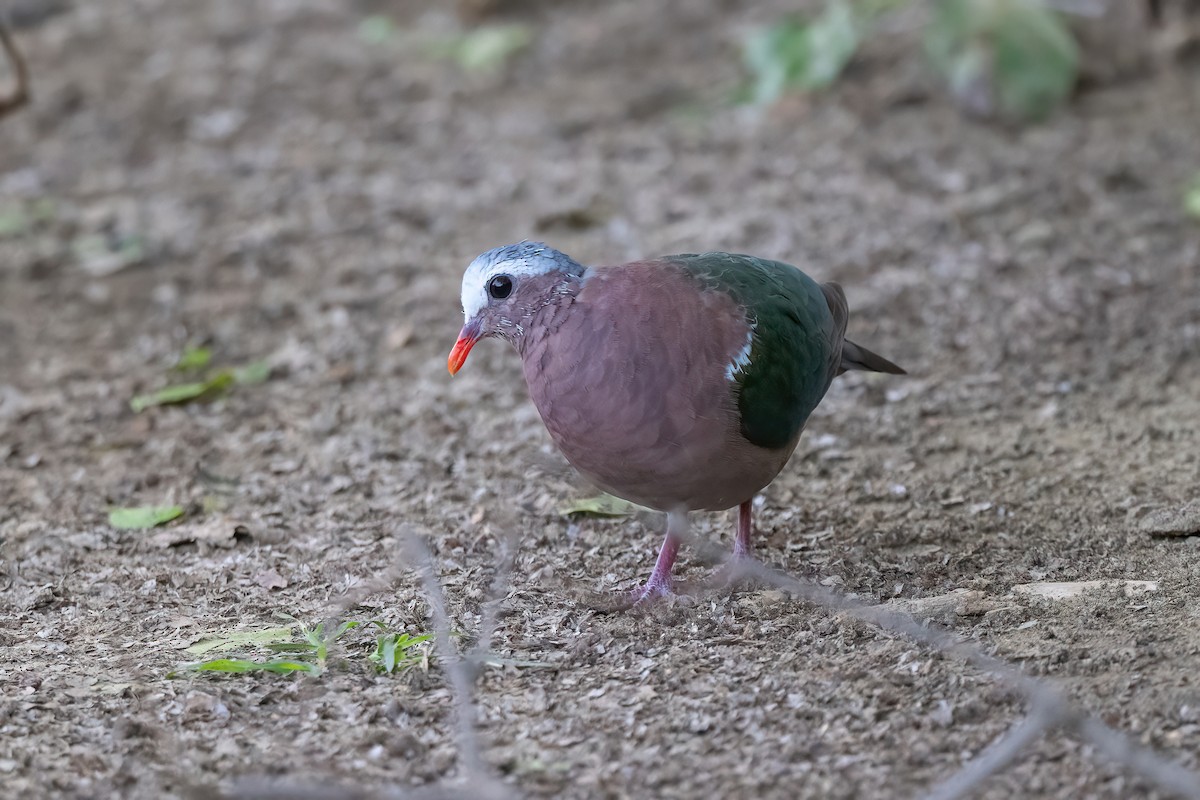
point(1003, 752)
point(461, 670)
point(1052, 707)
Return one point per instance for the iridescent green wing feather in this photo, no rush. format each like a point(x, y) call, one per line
point(791, 355)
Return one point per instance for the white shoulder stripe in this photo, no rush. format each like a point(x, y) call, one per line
point(742, 359)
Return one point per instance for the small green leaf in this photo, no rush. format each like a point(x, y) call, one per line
point(179, 393)
point(348, 625)
point(376, 29)
point(193, 359)
point(18, 218)
point(396, 652)
point(216, 384)
point(389, 653)
point(318, 641)
point(44, 209)
point(13, 221)
point(315, 640)
point(228, 641)
point(252, 373)
point(485, 49)
point(1191, 198)
point(213, 386)
point(393, 652)
point(833, 40)
point(143, 516)
point(236, 665)
point(604, 505)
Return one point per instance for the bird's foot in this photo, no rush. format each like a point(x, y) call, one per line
point(736, 570)
point(648, 595)
point(659, 585)
point(652, 591)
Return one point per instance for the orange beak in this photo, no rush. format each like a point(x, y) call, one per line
point(466, 340)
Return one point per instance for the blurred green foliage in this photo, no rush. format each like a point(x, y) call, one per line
point(802, 54)
point(1010, 58)
point(139, 517)
point(19, 218)
point(234, 639)
point(1191, 197)
point(394, 652)
point(398, 651)
point(193, 358)
point(1013, 59)
point(376, 29)
point(216, 384)
point(484, 49)
point(605, 505)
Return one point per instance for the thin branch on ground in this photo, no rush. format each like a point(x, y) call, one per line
point(995, 758)
point(1137, 759)
point(490, 612)
point(1118, 747)
point(469, 754)
point(477, 781)
point(460, 670)
point(265, 789)
point(20, 94)
point(271, 789)
point(1050, 708)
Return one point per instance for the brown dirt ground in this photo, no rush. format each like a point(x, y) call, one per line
point(301, 196)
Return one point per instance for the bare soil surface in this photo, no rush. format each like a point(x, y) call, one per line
point(258, 177)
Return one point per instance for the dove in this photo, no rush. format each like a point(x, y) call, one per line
point(679, 383)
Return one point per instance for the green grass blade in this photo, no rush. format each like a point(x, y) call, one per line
point(389, 654)
point(604, 505)
point(141, 517)
point(242, 666)
point(1191, 198)
point(193, 359)
point(228, 641)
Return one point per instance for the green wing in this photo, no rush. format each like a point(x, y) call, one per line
point(791, 358)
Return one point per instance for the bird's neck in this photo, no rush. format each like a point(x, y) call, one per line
point(544, 318)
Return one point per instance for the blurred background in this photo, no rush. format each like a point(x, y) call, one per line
point(231, 240)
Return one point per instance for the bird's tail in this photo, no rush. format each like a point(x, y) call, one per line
point(856, 357)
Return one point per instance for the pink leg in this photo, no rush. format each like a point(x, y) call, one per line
point(741, 545)
point(660, 583)
point(729, 572)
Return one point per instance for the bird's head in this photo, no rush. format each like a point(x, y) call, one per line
point(504, 288)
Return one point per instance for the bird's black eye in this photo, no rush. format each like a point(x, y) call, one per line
point(500, 287)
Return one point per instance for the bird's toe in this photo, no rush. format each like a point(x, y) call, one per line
point(651, 592)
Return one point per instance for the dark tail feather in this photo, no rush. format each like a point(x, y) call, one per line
point(856, 357)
